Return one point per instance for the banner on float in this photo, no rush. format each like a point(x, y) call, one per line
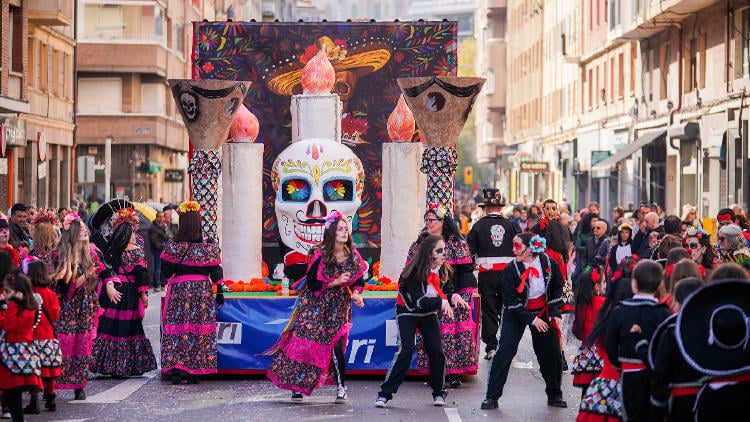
point(246, 327)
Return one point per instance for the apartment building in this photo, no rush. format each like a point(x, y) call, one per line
point(126, 52)
point(36, 102)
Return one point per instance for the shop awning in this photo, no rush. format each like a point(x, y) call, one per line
point(602, 169)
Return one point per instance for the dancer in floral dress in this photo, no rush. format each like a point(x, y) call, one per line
point(78, 268)
point(121, 348)
point(188, 341)
point(310, 352)
point(459, 331)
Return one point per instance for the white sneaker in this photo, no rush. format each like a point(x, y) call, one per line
point(341, 395)
point(438, 401)
point(296, 396)
point(381, 401)
point(4, 415)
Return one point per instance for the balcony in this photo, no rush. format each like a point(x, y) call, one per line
point(132, 129)
point(122, 58)
point(497, 4)
point(51, 12)
point(655, 17)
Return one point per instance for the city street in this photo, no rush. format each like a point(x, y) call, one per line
point(255, 398)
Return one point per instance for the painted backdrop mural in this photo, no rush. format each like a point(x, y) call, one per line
point(367, 58)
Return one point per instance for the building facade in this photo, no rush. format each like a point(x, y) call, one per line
point(126, 53)
point(36, 102)
point(462, 11)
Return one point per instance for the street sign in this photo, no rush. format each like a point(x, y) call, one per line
point(86, 167)
point(41, 146)
point(534, 167)
point(174, 175)
point(501, 150)
point(599, 156)
point(41, 170)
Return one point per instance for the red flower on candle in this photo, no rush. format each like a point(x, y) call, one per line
point(401, 122)
point(245, 126)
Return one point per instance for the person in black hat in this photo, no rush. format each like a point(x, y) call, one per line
point(674, 383)
point(19, 232)
point(491, 243)
point(713, 336)
point(645, 311)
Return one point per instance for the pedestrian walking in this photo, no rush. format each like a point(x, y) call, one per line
point(188, 341)
point(420, 298)
point(157, 235)
point(319, 327)
point(491, 242)
point(121, 348)
point(532, 296)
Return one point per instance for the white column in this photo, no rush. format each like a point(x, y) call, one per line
point(316, 116)
point(242, 210)
point(404, 187)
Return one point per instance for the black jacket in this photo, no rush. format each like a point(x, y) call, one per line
point(412, 293)
point(515, 303)
point(314, 284)
point(484, 238)
point(592, 249)
point(157, 236)
point(558, 237)
point(620, 343)
point(19, 236)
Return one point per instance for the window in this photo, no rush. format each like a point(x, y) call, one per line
point(663, 70)
point(489, 87)
point(68, 88)
point(691, 65)
point(92, 90)
point(32, 64)
point(745, 40)
point(153, 98)
point(180, 39)
point(633, 55)
point(44, 74)
point(51, 75)
point(702, 61)
point(15, 31)
point(54, 75)
point(591, 14)
point(621, 75)
point(590, 83)
point(60, 74)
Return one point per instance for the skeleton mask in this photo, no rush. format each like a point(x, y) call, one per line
point(189, 105)
point(312, 178)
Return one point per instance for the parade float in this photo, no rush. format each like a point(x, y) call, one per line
point(324, 127)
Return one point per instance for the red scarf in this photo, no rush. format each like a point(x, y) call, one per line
point(531, 271)
point(434, 280)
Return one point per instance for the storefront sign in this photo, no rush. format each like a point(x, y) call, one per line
point(41, 146)
point(174, 175)
point(599, 156)
point(534, 167)
point(41, 170)
point(14, 131)
point(501, 150)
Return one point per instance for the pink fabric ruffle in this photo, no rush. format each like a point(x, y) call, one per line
point(74, 345)
point(198, 329)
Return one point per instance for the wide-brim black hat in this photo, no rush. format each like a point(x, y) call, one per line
point(657, 338)
point(492, 198)
point(712, 328)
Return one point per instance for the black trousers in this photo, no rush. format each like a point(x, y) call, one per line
point(339, 362)
point(636, 395)
point(546, 347)
point(13, 399)
point(429, 327)
point(491, 301)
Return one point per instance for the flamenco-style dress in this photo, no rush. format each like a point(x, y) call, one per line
point(121, 347)
point(304, 356)
point(459, 334)
point(188, 340)
point(602, 399)
point(76, 327)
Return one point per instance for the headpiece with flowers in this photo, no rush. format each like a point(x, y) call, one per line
point(538, 244)
point(44, 217)
point(694, 232)
point(189, 206)
point(334, 216)
point(439, 210)
point(124, 215)
point(70, 218)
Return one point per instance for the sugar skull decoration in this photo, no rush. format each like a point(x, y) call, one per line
point(313, 178)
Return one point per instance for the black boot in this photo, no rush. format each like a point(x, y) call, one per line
point(79, 394)
point(33, 407)
point(192, 379)
point(176, 378)
point(49, 402)
point(564, 362)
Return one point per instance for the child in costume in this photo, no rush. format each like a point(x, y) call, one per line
point(44, 335)
point(589, 299)
point(20, 369)
point(420, 298)
point(645, 311)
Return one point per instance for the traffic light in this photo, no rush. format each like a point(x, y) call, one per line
point(468, 176)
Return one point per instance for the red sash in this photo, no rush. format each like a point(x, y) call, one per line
point(630, 366)
point(558, 259)
point(684, 391)
point(495, 267)
point(541, 303)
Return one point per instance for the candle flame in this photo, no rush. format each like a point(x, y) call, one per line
point(401, 122)
point(318, 75)
point(244, 126)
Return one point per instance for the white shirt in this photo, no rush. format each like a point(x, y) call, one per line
point(431, 292)
point(622, 252)
point(536, 284)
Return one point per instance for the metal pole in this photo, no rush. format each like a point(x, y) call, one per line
point(107, 167)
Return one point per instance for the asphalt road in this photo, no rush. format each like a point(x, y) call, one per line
point(257, 399)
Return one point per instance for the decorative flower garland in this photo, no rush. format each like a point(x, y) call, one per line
point(189, 206)
point(439, 210)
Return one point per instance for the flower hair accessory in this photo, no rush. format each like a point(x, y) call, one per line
point(125, 215)
point(71, 217)
point(595, 277)
point(189, 206)
point(670, 269)
point(44, 217)
point(439, 209)
point(538, 244)
point(694, 232)
point(334, 216)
